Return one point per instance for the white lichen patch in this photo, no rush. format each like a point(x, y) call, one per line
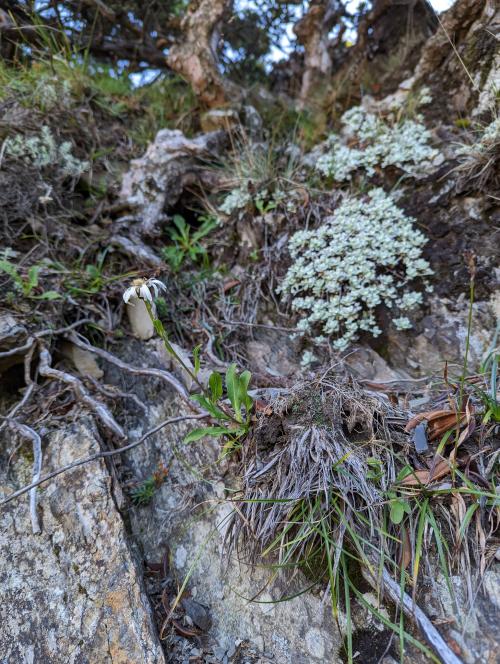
point(368, 141)
point(239, 198)
point(42, 151)
point(236, 199)
point(367, 254)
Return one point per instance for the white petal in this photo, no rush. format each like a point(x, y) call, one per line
point(145, 293)
point(159, 284)
point(130, 292)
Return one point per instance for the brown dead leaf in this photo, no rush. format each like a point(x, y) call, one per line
point(185, 631)
point(230, 284)
point(263, 407)
point(425, 475)
point(304, 194)
point(405, 549)
point(438, 422)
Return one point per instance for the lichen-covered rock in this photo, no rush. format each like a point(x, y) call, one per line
point(72, 594)
point(473, 629)
point(442, 337)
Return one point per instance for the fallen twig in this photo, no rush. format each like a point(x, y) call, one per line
point(97, 455)
point(113, 392)
point(11, 414)
point(98, 408)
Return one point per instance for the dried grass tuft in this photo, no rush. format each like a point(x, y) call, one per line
point(310, 461)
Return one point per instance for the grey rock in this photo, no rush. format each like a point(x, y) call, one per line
point(442, 337)
point(74, 593)
point(12, 335)
point(198, 613)
point(300, 630)
point(475, 626)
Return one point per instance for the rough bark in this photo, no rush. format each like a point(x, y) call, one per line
point(312, 32)
point(194, 56)
point(388, 28)
point(454, 25)
point(464, 52)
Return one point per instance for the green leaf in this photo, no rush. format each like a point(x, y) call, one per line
point(196, 434)
point(49, 295)
point(232, 389)
point(33, 277)
point(212, 408)
point(184, 229)
point(422, 520)
point(196, 358)
point(404, 472)
point(215, 384)
point(174, 256)
point(207, 226)
point(10, 269)
point(243, 383)
point(398, 509)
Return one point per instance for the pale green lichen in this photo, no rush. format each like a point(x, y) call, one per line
point(236, 199)
point(368, 141)
point(42, 151)
point(366, 254)
point(308, 358)
point(240, 197)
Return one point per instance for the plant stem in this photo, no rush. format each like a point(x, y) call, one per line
point(169, 347)
point(467, 341)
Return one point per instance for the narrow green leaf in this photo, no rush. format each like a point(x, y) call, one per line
point(33, 276)
point(49, 295)
point(243, 382)
point(465, 523)
point(196, 358)
point(442, 550)
point(418, 544)
point(9, 268)
point(210, 407)
point(232, 389)
point(215, 384)
point(196, 434)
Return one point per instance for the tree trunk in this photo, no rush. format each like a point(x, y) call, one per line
point(464, 53)
point(195, 57)
point(390, 37)
point(313, 33)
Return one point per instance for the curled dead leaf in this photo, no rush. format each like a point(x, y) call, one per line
point(263, 407)
point(438, 422)
point(231, 284)
point(425, 476)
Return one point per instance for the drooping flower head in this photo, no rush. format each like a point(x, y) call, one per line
point(141, 288)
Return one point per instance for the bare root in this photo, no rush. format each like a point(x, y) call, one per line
point(101, 411)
